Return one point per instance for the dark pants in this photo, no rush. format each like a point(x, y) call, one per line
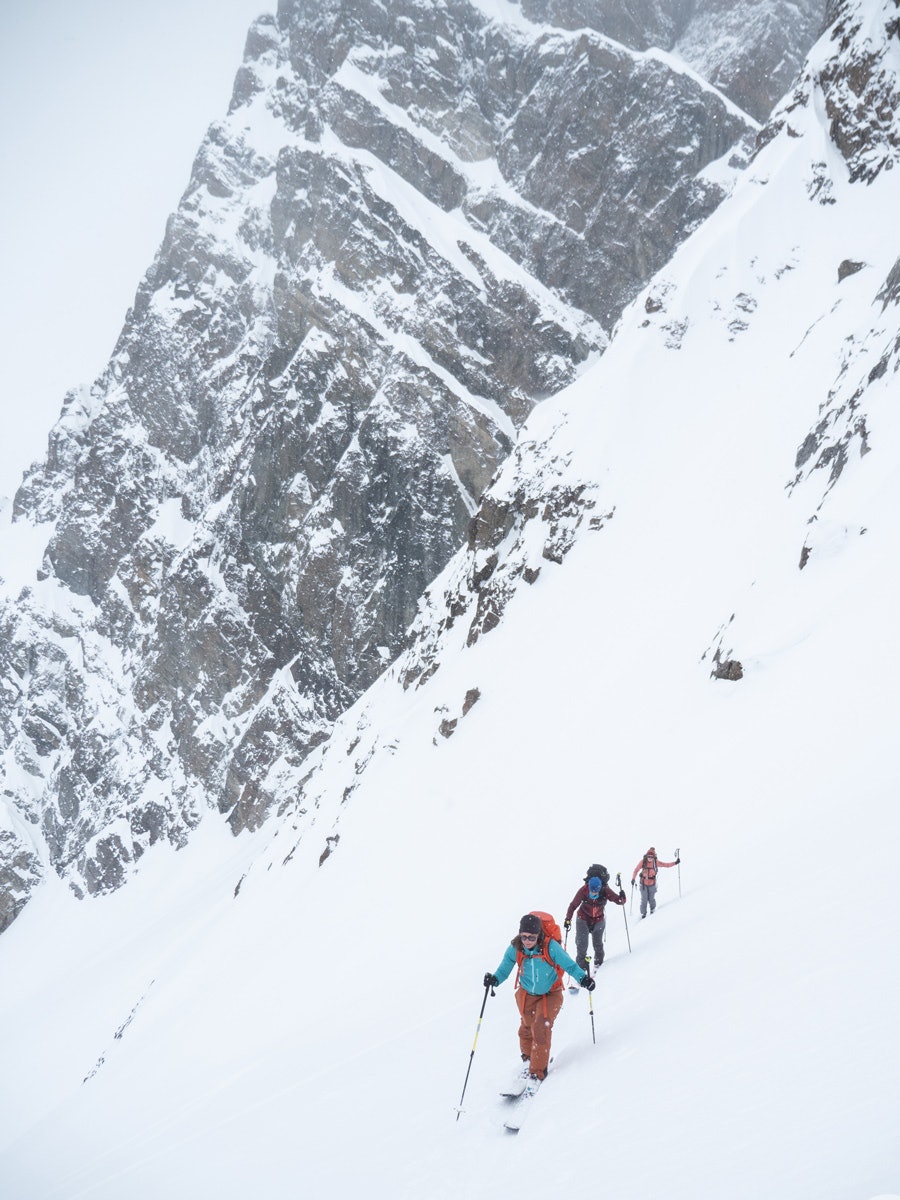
point(581, 941)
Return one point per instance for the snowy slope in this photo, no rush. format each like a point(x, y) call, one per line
point(253, 1017)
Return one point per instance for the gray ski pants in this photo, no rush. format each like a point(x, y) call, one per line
point(582, 933)
point(648, 896)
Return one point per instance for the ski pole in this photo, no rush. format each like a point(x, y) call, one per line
point(678, 860)
point(591, 1001)
point(566, 943)
point(487, 988)
point(624, 918)
point(631, 905)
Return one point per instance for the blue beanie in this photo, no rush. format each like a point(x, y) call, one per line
point(595, 884)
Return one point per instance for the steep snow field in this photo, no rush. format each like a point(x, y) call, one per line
point(241, 1021)
point(312, 1035)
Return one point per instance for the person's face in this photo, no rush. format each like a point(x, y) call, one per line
point(528, 939)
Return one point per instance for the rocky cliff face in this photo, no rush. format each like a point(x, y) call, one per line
point(413, 225)
point(835, 138)
point(751, 51)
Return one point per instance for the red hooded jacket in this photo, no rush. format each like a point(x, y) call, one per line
point(591, 911)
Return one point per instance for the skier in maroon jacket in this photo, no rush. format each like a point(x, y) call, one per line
point(590, 900)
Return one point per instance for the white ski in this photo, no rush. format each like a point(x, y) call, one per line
point(522, 1107)
point(517, 1085)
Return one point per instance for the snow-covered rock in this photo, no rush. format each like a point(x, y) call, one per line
point(412, 226)
point(719, 491)
point(733, 448)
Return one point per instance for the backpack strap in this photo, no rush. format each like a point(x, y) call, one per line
point(520, 957)
point(545, 955)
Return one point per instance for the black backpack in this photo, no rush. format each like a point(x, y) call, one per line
point(598, 870)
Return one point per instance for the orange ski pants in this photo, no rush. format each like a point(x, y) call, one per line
point(538, 1014)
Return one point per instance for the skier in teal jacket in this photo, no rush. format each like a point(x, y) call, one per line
point(539, 990)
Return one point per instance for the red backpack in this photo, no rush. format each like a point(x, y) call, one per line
point(549, 929)
point(648, 871)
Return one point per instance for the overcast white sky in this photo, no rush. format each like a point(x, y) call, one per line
point(103, 104)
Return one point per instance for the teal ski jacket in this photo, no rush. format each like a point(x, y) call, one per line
point(538, 977)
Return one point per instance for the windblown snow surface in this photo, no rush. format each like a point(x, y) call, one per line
point(241, 1021)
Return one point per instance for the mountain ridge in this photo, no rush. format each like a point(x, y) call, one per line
point(226, 1015)
point(322, 371)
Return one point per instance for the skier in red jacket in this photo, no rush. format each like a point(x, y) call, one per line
point(648, 867)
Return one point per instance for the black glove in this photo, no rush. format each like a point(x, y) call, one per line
point(588, 984)
point(567, 924)
point(622, 895)
point(490, 980)
point(632, 883)
point(677, 861)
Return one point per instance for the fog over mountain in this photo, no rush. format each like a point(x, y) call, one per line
point(410, 228)
point(670, 619)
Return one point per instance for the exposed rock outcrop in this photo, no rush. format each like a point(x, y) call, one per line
point(414, 224)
